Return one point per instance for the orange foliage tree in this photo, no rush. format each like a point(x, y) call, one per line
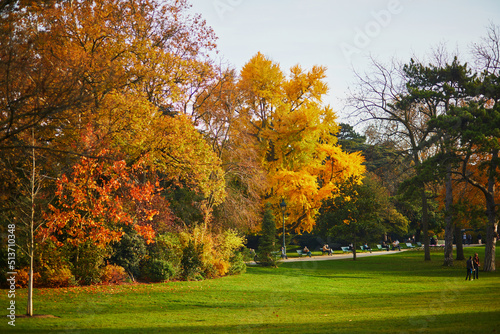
point(97, 200)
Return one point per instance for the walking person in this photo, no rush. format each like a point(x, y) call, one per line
point(470, 269)
point(475, 263)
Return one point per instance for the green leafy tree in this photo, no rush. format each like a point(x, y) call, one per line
point(366, 213)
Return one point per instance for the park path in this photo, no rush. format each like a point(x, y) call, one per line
point(349, 255)
point(340, 256)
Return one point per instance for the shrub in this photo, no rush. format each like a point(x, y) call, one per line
point(207, 253)
point(247, 254)
point(57, 277)
point(89, 264)
point(191, 263)
point(166, 247)
point(52, 264)
point(128, 253)
point(221, 267)
point(113, 274)
point(22, 278)
point(238, 265)
point(160, 270)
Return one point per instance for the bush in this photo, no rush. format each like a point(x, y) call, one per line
point(89, 265)
point(166, 247)
point(247, 254)
point(238, 265)
point(129, 252)
point(206, 253)
point(22, 278)
point(160, 270)
point(57, 277)
point(113, 274)
point(52, 263)
point(191, 263)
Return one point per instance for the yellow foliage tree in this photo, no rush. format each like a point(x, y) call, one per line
point(295, 137)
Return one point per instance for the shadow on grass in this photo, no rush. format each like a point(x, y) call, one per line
point(437, 321)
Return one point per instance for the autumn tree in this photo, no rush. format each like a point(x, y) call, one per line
point(93, 202)
point(111, 68)
point(217, 111)
point(114, 66)
point(483, 134)
point(61, 59)
point(284, 121)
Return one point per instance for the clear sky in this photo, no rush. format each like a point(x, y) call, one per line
point(341, 34)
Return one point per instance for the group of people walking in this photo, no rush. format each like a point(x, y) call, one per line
point(472, 267)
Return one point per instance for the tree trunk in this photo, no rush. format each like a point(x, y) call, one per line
point(491, 228)
point(448, 231)
point(31, 242)
point(458, 242)
point(489, 249)
point(29, 309)
point(425, 225)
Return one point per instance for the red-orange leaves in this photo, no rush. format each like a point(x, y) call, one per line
point(97, 200)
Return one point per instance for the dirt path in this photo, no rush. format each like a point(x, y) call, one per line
point(334, 256)
point(339, 256)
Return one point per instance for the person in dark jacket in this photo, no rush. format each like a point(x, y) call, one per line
point(470, 269)
point(475, 264)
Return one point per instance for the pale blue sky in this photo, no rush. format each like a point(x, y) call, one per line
point(342, 34)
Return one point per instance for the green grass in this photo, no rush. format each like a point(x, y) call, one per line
point(397, 293)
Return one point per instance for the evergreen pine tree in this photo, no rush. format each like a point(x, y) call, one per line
point(266, 254)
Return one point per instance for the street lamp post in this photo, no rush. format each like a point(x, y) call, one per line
point(283, 209)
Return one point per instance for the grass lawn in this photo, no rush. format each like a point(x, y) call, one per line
point(396, 293)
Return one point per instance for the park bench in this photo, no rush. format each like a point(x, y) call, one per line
point(380, 248)
point(345, 249)
point(363, 249)
point(301, 252)
point(409, 245)
point(325, 251)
